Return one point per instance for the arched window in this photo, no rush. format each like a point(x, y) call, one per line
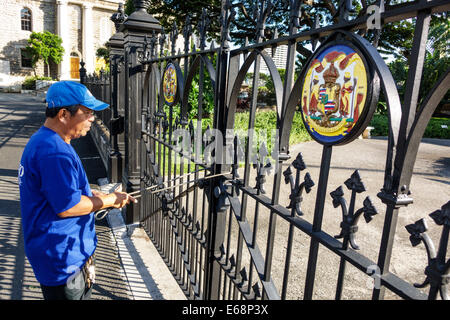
point(25, 18)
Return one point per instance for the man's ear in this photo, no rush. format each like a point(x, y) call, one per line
point(63, 115)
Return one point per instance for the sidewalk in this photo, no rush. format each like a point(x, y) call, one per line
point(128, 267)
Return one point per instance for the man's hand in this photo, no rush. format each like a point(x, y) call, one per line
point(122, 199)
point(98, 201)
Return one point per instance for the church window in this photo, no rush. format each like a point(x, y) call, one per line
point(25, 18)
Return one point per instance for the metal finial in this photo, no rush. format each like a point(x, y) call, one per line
point(203, 27)
point(187, 31)
point(141, 5)
point(162, 40)
point(119, 17)
point(173, 37)
point(226, 17)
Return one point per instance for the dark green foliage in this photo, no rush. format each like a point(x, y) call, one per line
point(380, 124)
point(169, 12)
point(103, 52)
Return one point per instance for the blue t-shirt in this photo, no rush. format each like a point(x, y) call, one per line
point(52, 180)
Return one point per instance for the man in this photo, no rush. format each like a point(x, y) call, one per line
point(57, 203)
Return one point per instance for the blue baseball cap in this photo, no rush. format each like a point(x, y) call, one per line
point(70, 93)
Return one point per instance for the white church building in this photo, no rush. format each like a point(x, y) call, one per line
point(83, 25)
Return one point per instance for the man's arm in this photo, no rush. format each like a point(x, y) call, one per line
point(97, 202)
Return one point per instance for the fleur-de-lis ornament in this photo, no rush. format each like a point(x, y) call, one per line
point(294, 12)
point(187, 32)
point(203, 28)
point(345, 8)
point(162, 41)
point(173, 37)
point(438, 270)
point(296, 187)
point(227, 15)
point(262, 12)
point(350, 218)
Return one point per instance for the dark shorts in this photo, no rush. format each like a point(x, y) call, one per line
point(76, 288)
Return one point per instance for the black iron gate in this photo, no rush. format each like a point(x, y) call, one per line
point(209, 196)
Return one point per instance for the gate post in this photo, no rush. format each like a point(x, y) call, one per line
point(218, 197)
point(134, 29)
point(116, 128)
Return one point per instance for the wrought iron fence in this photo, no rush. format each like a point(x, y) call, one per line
point(218, 232)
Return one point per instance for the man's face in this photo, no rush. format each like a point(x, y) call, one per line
point(79, 124)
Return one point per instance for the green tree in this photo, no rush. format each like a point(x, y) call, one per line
point(437, 58)
point(46, 46)
point(169, 12)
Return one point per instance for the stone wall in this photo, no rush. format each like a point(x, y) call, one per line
point(75, 32)
point(103, 28)
point(12, 38)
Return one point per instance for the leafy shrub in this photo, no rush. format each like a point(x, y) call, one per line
point(380, 124)
point(435, 128)
point(30, 82)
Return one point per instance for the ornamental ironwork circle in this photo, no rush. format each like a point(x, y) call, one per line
point(170, 85)
point(336, 96)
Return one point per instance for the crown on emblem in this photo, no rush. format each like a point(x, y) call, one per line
point(331, 74)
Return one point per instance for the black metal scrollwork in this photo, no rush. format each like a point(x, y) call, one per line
point(350, 218)
point(297, 187)
point(263, 167)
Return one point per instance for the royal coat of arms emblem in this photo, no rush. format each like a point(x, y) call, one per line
point(170, 84)
point(334, 92)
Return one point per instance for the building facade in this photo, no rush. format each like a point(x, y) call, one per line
point(83, 25)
